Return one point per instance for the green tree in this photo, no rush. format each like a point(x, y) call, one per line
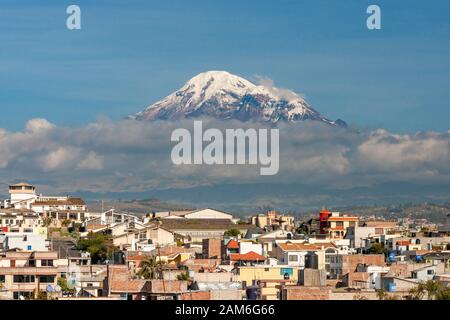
point(232, 233)
point(183, 276)
point(96, 245)
point(383, 295)
point(149, 267)
point(432, 288)
point(62, 282)
point(42, 295)
point(377, 248)
point(303, 228)
point(65, 222)
point(47, 221)
point(443, 294)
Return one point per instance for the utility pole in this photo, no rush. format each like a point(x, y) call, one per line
point(160, 269)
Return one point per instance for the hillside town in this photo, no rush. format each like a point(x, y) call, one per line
point(54, 247)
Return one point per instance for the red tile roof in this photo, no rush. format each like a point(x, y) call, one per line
point(54, 202)
point(288, 246)
point(130, 286)
point(249, 256)
point(345, 218)
point(233, 244)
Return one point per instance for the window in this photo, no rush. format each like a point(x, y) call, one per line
point(2, 279)
point(46, 279)
point(46, 263)
point(89, 284)
point(23, 278)
point(339, 224)
point(32, 263)
point(379, 231)
point(18, 294)
point(73, 216)
point(293, 258)
point(430, 271)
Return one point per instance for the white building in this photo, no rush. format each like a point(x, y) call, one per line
point(375, 274)
point(248, 246)
point(18, 218)
point(24, 242)
point(196, 214)
point(23, 197)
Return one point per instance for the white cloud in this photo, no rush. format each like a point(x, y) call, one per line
point(135, 156)
point(390, 152)
point(93, 161)
point(281, 93)
point(38, 125)
point(61, 158)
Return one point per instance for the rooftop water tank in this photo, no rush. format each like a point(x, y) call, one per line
point(392, 287)
point(252, 293)
point(391, 256)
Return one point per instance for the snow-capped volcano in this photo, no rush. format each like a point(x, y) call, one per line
point(222, 95)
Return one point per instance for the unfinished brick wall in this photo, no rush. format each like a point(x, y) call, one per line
point(306, 293)
point(198, 295)
point(350, 262)
point(212, 248)
point(400, 269)
point(164, 286)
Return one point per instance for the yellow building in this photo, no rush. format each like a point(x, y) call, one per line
point(268, 278)
point(272, 218)
point(337, 224)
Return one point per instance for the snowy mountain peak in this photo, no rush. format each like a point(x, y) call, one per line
point(222, 95)
point(206, 85)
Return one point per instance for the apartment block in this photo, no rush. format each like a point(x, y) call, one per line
point(24, 274)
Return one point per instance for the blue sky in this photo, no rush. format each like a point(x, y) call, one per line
point(132, 53)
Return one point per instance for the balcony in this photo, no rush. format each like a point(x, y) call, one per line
point(50, 271)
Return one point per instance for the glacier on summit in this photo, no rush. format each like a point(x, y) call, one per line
point(222, 95)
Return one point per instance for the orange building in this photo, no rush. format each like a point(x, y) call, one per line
point(335, 224)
